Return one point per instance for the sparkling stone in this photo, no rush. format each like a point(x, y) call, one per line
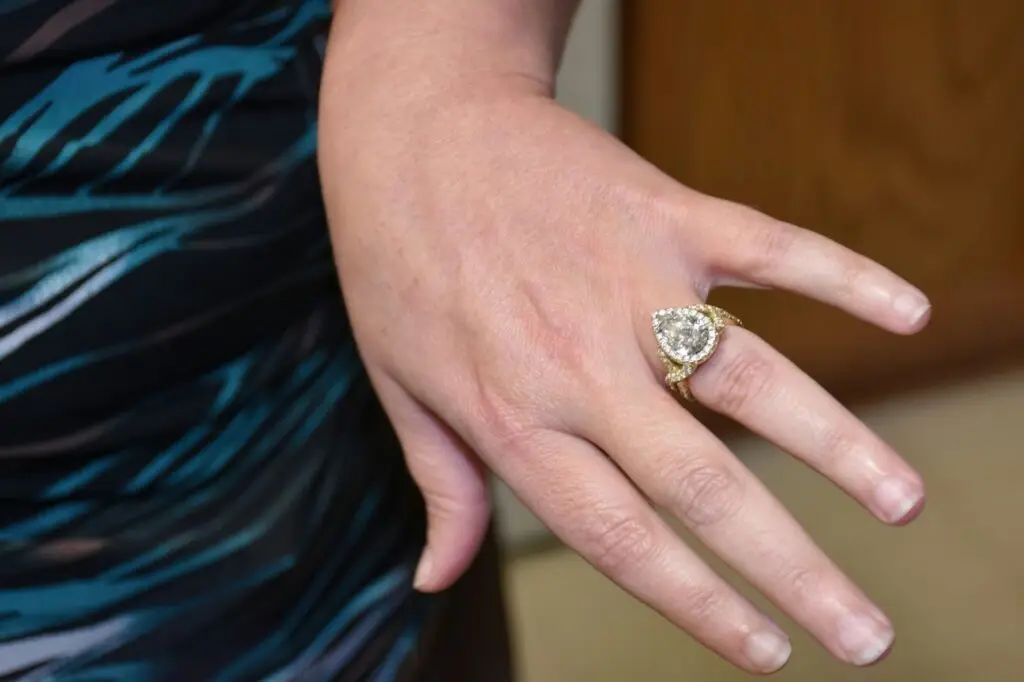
point(681, 334)
point(684, 335)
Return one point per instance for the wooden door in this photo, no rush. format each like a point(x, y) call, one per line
point(896, 128)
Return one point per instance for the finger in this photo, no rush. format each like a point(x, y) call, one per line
point(686, 470)
point(757, 386)
point(587, 503)
point(454, 486)
point(768, 252)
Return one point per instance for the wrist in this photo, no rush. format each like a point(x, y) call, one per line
point(427, 48)
point(392, 83)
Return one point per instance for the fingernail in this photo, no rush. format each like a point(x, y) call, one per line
point(863, 639)
point(768, 650)
point(911, 306)
point(423, 571)
point(896, 498)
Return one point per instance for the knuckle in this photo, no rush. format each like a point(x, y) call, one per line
point(705, 603)
point(563, 349)
point(618, 541)
point(446, 502)
point(835, 444)
point(706, 494)
point(803, 583)
point(503, 423)
point(742, 378)
point(762, 242)
point(853, 273)
point(650, 207)
point(771, 244)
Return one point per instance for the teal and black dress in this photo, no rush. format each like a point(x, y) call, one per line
point(196, 481)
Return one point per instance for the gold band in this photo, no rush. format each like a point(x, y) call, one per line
point(687, 338)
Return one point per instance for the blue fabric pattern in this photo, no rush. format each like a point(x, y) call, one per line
point(196, 482)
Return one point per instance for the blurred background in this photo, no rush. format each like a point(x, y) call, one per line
point(895, 127)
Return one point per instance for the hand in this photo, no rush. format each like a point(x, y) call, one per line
point(501, 259)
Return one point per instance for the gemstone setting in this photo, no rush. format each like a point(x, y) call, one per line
point(685, 335)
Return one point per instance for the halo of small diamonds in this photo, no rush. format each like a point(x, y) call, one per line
point(685, 335)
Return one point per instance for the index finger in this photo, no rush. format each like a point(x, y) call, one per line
point(759, 249)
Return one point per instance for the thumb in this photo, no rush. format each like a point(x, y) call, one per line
point(454, 485)
point(458, 499)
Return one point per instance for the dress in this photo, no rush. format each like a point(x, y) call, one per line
point(196, 481)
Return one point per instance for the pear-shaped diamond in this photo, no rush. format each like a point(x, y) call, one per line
point(684, 334)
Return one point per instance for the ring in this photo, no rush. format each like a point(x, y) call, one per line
point(687, 338)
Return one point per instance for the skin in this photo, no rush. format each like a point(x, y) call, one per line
point(500, 260)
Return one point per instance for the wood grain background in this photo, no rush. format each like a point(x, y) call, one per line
point(896, 128)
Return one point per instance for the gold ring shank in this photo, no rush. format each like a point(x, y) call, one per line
point(688, 337)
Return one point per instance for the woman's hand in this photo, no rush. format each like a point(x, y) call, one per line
point(501, 259)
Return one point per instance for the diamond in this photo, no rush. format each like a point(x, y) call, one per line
point(685, 335)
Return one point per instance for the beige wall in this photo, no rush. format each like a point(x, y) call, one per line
point(588, 82)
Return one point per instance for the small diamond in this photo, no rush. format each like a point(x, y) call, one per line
point(685, 335)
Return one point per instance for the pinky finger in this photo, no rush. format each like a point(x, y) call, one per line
point(595, 510)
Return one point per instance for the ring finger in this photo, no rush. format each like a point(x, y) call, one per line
point(749, 381)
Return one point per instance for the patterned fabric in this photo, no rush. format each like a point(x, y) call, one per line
point(196, 483)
